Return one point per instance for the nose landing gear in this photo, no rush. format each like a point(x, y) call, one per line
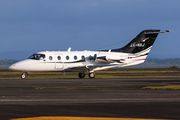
point(23, 75)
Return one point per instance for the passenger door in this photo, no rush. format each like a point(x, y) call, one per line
point(59, 64)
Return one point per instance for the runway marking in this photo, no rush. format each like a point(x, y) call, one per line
point(167, 87)
point(81, 118)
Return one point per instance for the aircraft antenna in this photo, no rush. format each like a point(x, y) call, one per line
point(69, 49)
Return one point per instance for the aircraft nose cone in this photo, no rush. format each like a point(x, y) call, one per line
point(16, 67)
point(12, 67)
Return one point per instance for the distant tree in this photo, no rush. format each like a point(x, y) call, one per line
point(170, 61)
point(173, 67)
point(7, 62)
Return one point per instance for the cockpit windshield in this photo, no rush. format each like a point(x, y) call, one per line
point(37, 56)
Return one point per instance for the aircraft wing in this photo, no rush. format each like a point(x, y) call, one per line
point(94, 67)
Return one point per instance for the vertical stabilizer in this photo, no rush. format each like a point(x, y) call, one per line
point(142, 42)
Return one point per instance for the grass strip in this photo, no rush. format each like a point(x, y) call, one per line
point(138, 71)
point(171, 87)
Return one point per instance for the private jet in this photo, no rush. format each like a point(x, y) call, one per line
point(135, 52)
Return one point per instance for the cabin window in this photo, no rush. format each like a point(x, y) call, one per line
point(37, 57)
point(59, 57)
point(50, 57)
point(75, 57)
point(67, 57)
point(82, 57)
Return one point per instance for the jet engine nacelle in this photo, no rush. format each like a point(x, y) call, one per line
point(107, 58)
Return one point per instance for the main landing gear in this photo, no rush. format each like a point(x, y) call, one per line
point(91, 75)
point(82, 75)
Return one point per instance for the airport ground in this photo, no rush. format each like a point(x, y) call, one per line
point(115, 98)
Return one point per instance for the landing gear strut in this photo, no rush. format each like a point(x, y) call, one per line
point(81, 75)
point(91, 75)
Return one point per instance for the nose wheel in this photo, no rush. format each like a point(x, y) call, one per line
point(23, 76)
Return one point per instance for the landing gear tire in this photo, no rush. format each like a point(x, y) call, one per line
point(91, 75)
point(23, 76)
point(81, 75)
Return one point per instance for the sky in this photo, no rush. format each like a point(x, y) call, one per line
point(51, 25)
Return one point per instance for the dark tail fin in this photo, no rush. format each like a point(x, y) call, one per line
point(142, 42)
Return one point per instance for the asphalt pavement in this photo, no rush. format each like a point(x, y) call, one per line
point(116, 98)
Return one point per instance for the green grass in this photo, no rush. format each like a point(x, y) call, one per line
point(10, 73)
point(99, 74)
point(171, 87)
point(139, 71)
point(42, 77)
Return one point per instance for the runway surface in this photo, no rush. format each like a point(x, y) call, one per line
point(109, 98)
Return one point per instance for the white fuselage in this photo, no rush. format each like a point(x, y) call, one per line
point(75, 60)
